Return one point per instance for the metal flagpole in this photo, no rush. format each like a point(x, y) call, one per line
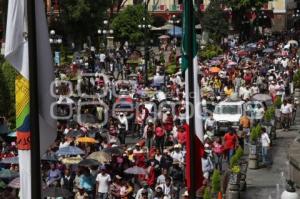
point(190, 47)
point(34, 110)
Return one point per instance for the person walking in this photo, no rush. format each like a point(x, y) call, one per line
point(122, 127)
point(103, 181)
point(231, 141)
point(265, 142)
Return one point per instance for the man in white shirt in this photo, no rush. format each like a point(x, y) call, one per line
point(286, 112)
point(265, 141)
point(102, 184)
point(122, 127)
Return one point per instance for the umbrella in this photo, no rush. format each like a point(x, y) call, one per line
point(113, 150)
point(88, 162)
point(214, 70)
point(164, 37)
point(69, 150)
point(49, 157)
point(262, 97)
point(74, 133)
point(86, 140)
point(15, 183)
point(251, 45)
point(268, 50)
point(242, 53)
point(231, 63)
point(10, 160)
point(12, 134)
point(100, 156)
point(293, 42)
point(6, 173)
point(71, 160)
point(136, 170)
point(56, 192)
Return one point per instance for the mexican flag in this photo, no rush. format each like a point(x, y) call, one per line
point(192, 112)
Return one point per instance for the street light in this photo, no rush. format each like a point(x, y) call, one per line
point(105, 31)
point(145, 26)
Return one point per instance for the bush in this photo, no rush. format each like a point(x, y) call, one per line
point(239, 153)
point(171, 69)
point(207, 193)
point(210, 51)
point(269, 114)
point(216, 181)
point(296, 79)
point(277, 102)
point(255, 133)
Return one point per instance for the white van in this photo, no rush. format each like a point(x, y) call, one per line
point(228, 113)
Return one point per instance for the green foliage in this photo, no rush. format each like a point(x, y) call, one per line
point(269, 114)
point(171, 69)
point(215, 21)
point(236, 157)
point(277, 102)
point(82, 18)
point(210, 51)
point(207, 193)
point(296, 79)
point(125, 24)
point(216, 181)
point(255, 133)
point(239, 153)
point(7, 91)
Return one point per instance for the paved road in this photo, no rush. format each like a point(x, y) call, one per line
point(262, 183)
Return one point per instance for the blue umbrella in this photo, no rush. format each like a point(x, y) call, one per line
point(69, 150)
point(177, 31)
point(10, 160)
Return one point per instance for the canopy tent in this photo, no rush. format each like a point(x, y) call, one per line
point(175, 31)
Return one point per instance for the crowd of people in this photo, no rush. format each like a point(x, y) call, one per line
point(141, 126)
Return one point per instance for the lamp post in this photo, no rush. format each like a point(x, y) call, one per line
point(145, 26)
point(105, 31)
point(56, 41)
point(296, 16)
point(174, 21)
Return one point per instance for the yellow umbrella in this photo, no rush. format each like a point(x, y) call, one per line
point(71, 160)
point(86, 140)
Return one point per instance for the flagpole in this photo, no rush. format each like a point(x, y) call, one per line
point(190, 47)
point(34, 110)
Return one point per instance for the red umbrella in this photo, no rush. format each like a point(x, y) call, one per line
point(242, 53)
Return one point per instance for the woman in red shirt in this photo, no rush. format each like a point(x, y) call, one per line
point(159, 137)
point(230, 143)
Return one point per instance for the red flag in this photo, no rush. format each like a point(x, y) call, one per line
point(199, 152)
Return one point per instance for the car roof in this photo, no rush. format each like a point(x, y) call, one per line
point(226, 102)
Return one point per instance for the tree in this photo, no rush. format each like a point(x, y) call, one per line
point(240, 9)
point(82, 18)
point(7, 91)
point(215, 22)
point(125, 24)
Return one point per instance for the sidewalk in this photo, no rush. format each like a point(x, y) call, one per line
point(262, 183)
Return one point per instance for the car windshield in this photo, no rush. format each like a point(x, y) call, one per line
point(228, 109)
